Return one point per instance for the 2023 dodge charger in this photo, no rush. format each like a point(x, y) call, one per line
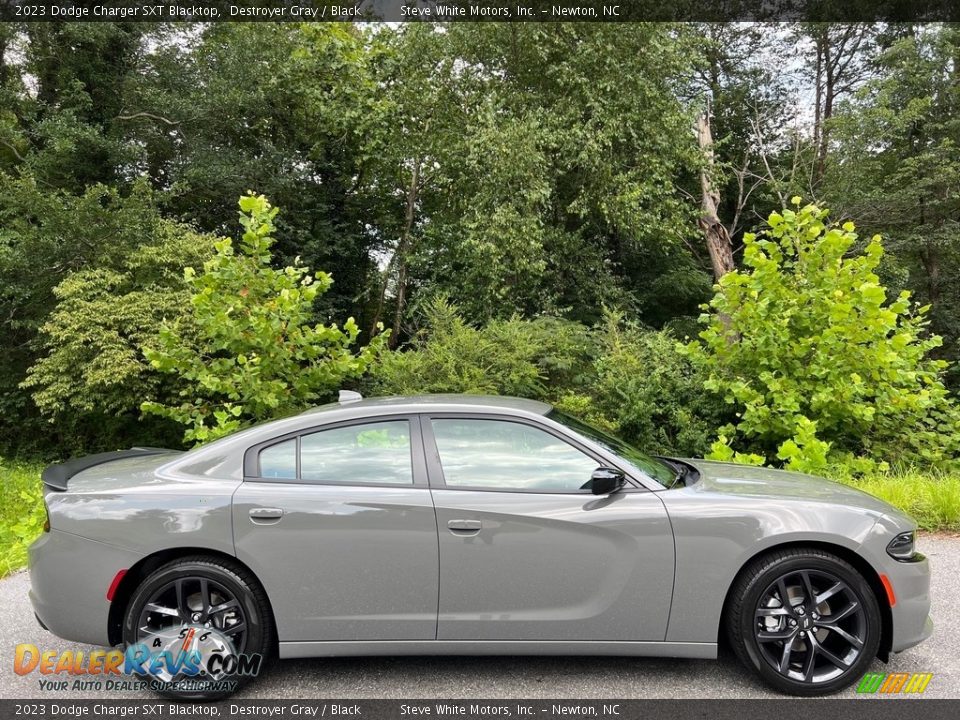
point(474, 525)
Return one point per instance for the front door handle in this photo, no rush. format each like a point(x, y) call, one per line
point(265, 515)
point(464, 527)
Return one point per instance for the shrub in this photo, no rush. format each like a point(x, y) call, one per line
point(821, 367)
point(92, 376)
point(526, 358)
point(646, 390)
point(21, 512)
point(245, 351)
point(618, 376)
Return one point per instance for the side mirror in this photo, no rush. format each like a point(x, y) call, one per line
point(606, 480)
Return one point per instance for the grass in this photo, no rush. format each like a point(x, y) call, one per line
point(21, 512)
point(933, 499)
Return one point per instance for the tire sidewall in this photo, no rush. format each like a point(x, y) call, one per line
point(257, 638)
point(865, 597)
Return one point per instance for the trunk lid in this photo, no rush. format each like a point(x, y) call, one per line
point(80, 473)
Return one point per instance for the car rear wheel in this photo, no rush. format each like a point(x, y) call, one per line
point(198, 624)
point(805, 621)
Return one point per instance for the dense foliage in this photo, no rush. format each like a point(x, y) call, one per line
point(245, 350)
point(505, 357)
point(523, 206)
point(643, 388)
point(618, 375)
point(819, 364)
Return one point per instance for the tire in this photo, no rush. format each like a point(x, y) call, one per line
point(236, 608)
point(841, 627)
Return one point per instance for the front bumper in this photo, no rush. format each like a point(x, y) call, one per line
point(912, 623)
point(69, 578)
point(910, 581)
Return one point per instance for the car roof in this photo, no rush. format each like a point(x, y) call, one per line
point(436, 402)
point(224, 457)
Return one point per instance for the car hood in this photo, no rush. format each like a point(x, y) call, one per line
point(767, 483)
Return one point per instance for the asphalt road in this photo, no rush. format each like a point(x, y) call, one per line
point(517, 677)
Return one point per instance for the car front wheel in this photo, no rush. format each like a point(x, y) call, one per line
point(805, 621)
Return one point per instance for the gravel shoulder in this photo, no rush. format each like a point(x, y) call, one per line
point(516, 677)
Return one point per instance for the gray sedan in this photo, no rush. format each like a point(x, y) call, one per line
point(467, 525)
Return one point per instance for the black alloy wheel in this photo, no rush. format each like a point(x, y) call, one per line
point(805, 620)
point(201, 604)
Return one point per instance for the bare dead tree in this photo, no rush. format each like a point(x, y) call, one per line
point(714, 231)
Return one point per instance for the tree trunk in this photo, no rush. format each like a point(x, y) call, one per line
point(818, 101)
point(3, 57)
point(714, 231)
point(931, 266)
point(402, 249)
point(829, 94)
point(398, 262)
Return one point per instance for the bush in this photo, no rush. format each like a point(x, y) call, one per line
point(92, 376)
point(244, 352)
point(618, 376)
point(21, 512)
point(525, 358)
point(821, 367)
point(47, 237)
point(643, 388)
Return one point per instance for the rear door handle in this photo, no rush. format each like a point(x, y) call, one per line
point(265, 515)
point(464, 527)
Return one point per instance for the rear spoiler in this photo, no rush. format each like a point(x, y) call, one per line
point(58, 475)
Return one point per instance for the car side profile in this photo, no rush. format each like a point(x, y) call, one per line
point(475, 525)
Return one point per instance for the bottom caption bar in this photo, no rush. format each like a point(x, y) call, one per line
point(872, 708)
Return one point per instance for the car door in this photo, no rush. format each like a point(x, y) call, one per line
point(526, 553)
point(338, 524)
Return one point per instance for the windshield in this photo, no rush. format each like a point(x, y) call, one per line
point(637, 459)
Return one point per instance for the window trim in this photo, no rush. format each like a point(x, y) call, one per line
point(251, 456)
point(435, 466)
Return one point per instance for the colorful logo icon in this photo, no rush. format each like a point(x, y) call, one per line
point(894, 683)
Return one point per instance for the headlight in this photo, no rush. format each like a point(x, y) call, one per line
point(902, 546)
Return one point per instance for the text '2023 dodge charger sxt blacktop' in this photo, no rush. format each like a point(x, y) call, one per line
point(472, 525)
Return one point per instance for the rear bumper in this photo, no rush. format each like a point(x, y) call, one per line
point(69, 578)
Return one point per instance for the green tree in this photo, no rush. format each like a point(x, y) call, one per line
point(45, 236)
point(290, 109)
point(897, 169)
point(246, 351)
point(69, 132)
point(820, 365)
point(91, 376)
point(550, 163)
